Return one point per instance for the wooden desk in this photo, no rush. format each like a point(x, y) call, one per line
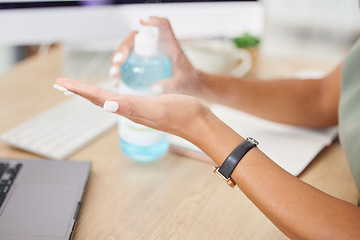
point(173, 198)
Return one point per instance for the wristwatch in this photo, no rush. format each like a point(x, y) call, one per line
point(228, 166)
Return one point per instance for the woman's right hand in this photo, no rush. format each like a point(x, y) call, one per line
point(185, 79)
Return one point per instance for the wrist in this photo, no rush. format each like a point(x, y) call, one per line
point(194, 85)
point(214, 138)
point(199, 84)
point(231, 162)
point(219, 88)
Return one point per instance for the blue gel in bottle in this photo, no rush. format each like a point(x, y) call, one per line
point(144, 67)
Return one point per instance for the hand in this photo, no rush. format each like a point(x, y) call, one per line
point(176, 114)
point(185, 78)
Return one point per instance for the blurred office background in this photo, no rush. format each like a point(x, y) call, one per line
point(316, 29)
point(321, 30)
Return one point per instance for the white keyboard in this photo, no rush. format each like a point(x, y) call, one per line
point(62, 130)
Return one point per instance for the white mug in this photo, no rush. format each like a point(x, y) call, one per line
point(218, 56)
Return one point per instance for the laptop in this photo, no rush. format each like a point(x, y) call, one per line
point(40, 199)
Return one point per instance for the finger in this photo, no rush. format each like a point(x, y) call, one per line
point(94, 94)
point(120, 56)
point(164, 87)
point(114, 71)
point(143, 110)
point(168, 42)
point(137, 109)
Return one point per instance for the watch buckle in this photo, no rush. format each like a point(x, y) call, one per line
point(253, 141)
point(229, 181)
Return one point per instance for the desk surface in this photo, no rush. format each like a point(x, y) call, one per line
point(173, 198)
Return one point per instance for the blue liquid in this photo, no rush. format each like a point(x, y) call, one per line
point(140, 73)
point(145, 153)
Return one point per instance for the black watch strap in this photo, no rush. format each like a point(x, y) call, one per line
point(233, 159)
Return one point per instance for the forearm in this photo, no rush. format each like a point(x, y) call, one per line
point(290, 101)
point(296, 208)
point(299, 210)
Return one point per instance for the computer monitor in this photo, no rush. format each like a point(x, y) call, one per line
point(91, 30)
point(38, 22)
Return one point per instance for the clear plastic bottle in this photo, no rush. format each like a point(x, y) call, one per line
point(142, 69)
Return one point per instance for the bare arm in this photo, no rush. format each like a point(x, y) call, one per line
point(310, 102)
point(299, 210)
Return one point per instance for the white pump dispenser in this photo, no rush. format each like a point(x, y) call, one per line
point(146, 41)
point(144, 67)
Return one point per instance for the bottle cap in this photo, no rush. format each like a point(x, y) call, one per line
point(146, 41)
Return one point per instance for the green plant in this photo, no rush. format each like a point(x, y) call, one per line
point(246, 41)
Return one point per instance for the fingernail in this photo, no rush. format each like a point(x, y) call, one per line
point(68, 93)
point(114, 82)
point(111, 106)
point(113, 71)
point(60, 88)
point(157, 89)
point(118, 57)
point(145, 19)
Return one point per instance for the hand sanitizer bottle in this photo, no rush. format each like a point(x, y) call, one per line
point(142, 69)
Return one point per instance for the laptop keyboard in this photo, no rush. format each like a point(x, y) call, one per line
point(8, 173)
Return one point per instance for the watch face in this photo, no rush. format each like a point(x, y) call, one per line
point(229, 181)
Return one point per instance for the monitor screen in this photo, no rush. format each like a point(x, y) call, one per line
point(65, 3)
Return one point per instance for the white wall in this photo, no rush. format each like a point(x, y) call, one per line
point(316, 29)
point(342, 16)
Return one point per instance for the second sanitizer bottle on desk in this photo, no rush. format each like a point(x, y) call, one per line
point(142, 69)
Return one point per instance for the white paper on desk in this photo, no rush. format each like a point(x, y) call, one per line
point(292, 148)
